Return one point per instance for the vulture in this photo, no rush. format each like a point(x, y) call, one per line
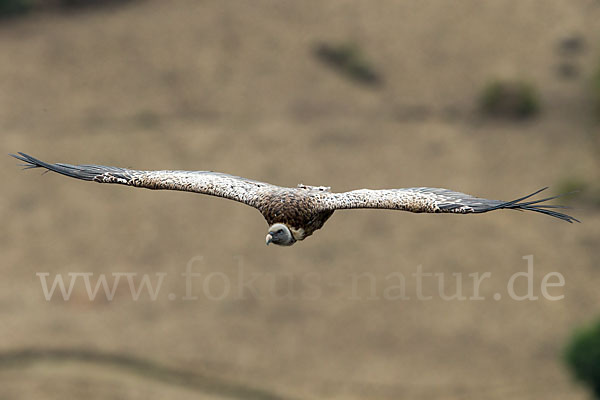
point(294, 213)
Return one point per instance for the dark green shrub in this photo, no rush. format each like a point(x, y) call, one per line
point(147, 119)
point(571, 187)
point(75, 4)
point(348, 59)
point(596, 92)
point(510, 99)
point(14, 7)
point(578, 190)
point(583, 356)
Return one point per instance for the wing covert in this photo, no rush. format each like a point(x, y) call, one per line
point(437, 200)
point(231, 187)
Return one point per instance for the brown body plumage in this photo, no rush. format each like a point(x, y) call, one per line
point(298, 208)
point(295, 213)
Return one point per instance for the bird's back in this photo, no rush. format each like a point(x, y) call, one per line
point(298, 208)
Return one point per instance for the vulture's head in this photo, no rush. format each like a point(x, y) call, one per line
point(281, 235)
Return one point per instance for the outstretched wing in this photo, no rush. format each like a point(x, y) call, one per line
point(435, 200)
point(206, 182)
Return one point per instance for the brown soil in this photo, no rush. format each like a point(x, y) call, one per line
point(235, 87)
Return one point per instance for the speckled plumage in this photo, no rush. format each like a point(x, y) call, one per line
point(303, 209)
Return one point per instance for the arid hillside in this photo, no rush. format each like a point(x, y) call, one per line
point(239, 87)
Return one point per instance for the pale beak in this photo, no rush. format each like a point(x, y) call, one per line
point(269, 239)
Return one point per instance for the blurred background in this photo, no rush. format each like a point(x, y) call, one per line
point(496, 99)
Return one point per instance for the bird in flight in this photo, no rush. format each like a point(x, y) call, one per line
point(293, 214)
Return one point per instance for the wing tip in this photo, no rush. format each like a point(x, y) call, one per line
point(537, 206)
point(30, 162)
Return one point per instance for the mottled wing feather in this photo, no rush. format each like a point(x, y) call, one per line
point(205, 182)
point(436, 200)
point(276, 202)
